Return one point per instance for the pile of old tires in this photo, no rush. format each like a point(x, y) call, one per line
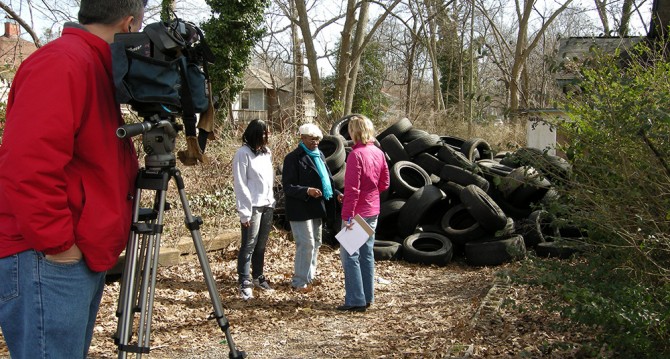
point(456, 197)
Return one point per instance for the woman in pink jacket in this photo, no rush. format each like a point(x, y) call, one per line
point(366, 176)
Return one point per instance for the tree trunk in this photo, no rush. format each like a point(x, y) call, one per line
point(311, 57)
point(410, 76)
point(355, 62)
point(626, 13)
point(343, 63)
point(601, 6)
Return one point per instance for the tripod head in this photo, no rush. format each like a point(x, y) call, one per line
point(158, 141)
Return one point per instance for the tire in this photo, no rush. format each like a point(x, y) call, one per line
point(387, 250)
point(394, 149)
point(338, 178)
point(412, 134)
point(419, 206)
point(510, 210)
point(477, 145)
point(510, 229)
point(387, 222)
point(459, 225)
point(483, 208)
point(429, 163)
point(494, 167)
point(398, 129)
point(333, 149)
point(455, 158)
point(407, 177)
point(463, 177)
point(536, 227)
point(341, 127)
point(494, 251)
point(453, 190)
point(454, 141)
point(427, 248)
point(422, 144)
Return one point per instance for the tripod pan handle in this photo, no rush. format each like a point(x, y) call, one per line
point(133, 129)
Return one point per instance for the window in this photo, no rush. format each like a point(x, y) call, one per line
point(244, 100)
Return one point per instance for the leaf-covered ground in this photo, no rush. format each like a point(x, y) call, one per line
point(421, 312)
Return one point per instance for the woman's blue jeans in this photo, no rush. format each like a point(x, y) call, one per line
point(307, 236)
point(48, 309)
point(254, 240)
point(359, 271)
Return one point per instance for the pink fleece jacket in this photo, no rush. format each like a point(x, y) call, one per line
point(366, 176)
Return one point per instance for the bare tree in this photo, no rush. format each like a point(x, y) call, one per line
point(523, 45)
point(12, 14)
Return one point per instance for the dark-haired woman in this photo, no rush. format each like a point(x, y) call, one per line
point(253, 177)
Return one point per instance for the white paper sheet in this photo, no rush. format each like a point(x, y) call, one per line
point(353, 238)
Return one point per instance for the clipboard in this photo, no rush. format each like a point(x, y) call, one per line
point(353, 238)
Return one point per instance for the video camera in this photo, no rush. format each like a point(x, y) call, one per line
point(162, 73)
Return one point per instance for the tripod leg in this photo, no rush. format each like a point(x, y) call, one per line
point(193, 224)
point(139, 278)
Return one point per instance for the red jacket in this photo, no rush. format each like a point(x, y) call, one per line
point(65, 177)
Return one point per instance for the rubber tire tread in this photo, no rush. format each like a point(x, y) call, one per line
point(422, 144)
point(427, 248)
point(494, 251)
point(395, 150)
point(387, 250)
point(333, 149)
point(398, 129)
point(451, 173)
point(401, 172)
point(417, 207)
point(470, 145)
point(459, 225)
point(483, 208)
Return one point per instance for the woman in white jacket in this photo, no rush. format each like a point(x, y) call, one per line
point(253, 178)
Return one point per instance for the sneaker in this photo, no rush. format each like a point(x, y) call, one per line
point(246, 291)
point(262, 283)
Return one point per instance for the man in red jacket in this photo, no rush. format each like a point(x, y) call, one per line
point(66, 185)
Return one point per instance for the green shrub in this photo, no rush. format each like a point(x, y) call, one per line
point(618, 135)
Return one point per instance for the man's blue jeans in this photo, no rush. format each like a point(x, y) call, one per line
point(307, 236)
point(359, 271)
point(48, 309)
point(254, 239)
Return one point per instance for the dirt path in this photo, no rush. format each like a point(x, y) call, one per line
point(424, 312)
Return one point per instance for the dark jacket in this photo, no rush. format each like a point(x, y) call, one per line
point(298, 174)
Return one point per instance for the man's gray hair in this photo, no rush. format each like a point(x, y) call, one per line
point(109, 11)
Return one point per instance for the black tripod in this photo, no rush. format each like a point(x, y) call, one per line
point(139, 276)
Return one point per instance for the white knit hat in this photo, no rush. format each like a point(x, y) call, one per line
point(310, 129)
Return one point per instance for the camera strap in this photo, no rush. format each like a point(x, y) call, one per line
point(188, 117)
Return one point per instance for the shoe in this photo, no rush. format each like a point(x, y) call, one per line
point(350, 308)
point(246, 291)
point(262, 283)
point(367, 305)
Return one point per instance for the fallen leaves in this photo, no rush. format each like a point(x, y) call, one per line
point(421, 312)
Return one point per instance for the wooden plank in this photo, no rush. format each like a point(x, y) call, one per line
point(219, 242)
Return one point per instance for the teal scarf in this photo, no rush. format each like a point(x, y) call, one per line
point(321, 170)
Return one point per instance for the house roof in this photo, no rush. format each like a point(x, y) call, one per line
point(13, 50)
point(255, 78)
point(574, 51)
point(306, 85)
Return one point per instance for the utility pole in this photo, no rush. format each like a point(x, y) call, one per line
point(471, 86)
point(298, 71)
